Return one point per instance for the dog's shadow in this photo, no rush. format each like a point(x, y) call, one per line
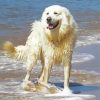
point(79, 88)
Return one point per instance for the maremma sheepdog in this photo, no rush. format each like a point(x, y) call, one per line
point(52, 40)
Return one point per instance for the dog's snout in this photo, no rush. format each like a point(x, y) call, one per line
point(49, 19)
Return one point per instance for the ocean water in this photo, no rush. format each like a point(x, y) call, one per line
point(16, 17)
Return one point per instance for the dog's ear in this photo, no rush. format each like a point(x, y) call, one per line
point(71, 21)
point(68, 22)
point(69, 18)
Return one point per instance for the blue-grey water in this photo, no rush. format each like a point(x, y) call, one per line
point(17, 15)
point(15, 19)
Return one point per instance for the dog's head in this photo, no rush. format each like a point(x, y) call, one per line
point(57, 19)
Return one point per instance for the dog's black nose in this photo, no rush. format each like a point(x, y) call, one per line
point(49, 19)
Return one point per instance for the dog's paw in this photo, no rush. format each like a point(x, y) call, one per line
point(54, 89)
point(46, 88)
point(28, 86)
point(67, 91)
point(43, 84)
point(40, 88)
point(60, 93)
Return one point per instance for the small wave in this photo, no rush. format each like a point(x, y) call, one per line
point(85, 72)
point(9, 64)
point(88, 40)
point(82, 57)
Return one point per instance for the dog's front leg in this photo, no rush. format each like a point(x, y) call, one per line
point(66, 79)
point(67, 70)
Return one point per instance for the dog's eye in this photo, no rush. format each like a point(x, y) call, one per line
point(55, 13)
point(47, 13)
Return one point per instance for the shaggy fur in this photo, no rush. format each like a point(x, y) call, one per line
point(52, 40)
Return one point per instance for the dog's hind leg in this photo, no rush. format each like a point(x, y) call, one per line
point(31, 61)
point(46, 73)
point(42, 72)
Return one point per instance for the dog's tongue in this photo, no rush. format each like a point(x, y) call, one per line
point(50, 26)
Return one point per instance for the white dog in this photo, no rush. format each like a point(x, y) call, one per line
point(52, 41)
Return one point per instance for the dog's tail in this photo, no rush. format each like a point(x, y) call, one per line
point(18, 53)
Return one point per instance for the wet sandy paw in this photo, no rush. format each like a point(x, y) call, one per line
point(28, 86)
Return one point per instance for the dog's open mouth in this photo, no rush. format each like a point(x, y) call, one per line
point(52, 25)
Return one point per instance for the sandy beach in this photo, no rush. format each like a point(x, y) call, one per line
point(15, 26)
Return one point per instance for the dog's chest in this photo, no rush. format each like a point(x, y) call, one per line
point(56, 52)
